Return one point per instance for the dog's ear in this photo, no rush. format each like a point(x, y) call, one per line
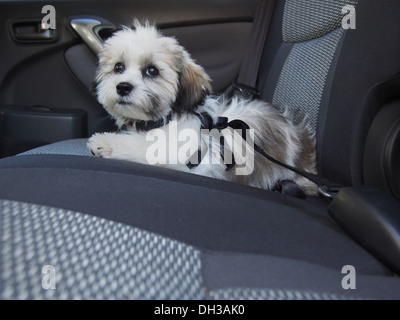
point(106, 33)
point(194, 85)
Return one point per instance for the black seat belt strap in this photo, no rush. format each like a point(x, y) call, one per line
point(247, 79)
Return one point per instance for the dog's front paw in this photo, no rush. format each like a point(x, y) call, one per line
point(99, 145)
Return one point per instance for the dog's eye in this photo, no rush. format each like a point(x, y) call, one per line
point(150, 71)
point(119, 67)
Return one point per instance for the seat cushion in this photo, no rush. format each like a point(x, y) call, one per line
point(97, 258)
point(203, 212)
point(67, 147)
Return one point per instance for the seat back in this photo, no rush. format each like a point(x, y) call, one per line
point(310, 62)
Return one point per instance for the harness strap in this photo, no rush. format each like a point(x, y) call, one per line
point(147, 125)
point(326, 187)
point(208, 123)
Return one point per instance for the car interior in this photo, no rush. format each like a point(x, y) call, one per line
point(113, 229)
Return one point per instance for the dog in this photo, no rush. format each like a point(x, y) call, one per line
point(161, 101)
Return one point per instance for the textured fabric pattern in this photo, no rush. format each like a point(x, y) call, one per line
point(75, 147)
point(269, 294)
point(305, 20)
point(93, 258)
point(303, 77)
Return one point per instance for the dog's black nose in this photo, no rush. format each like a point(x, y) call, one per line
point(124, 88)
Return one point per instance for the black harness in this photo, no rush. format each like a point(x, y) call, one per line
point(221, 123)
point(145, 126)
point(288, 187)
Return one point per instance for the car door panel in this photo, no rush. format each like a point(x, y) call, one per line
point(58, 74)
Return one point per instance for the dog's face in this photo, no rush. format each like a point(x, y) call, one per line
point(143, 75)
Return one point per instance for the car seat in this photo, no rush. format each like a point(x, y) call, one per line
point(118, 230)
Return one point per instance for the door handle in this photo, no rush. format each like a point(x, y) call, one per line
point(90, 29)
point(30, 31)
point(43, 35)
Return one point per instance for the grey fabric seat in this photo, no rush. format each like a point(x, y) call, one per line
point(75, 147)
point(135, 231)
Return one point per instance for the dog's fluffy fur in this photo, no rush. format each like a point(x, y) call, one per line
point(161, 78)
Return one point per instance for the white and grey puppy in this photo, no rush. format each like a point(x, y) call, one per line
point(145, 79)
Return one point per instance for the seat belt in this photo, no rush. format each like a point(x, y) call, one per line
point(247, 78)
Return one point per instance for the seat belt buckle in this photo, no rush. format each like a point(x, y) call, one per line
point(246, 91)
point(329, 192)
